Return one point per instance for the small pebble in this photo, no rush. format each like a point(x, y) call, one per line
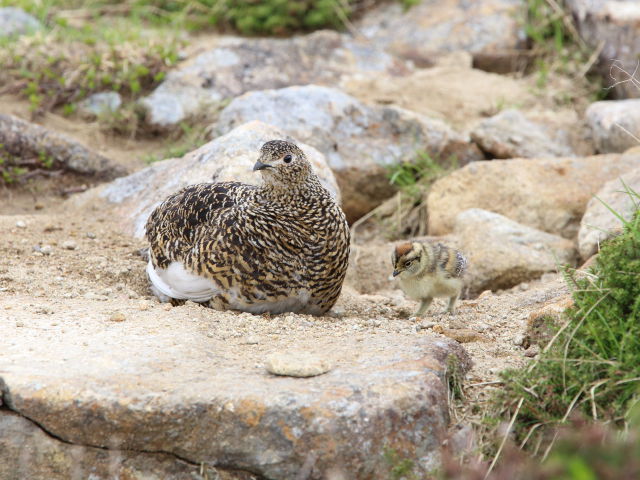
point(144, 305)
point(296, 365)
point(19, 324)
point(69, 245)
point(44, 249)
point(519, 339)
point(167, 306)
point(251, 340)
point(91, 235)
point(21, 224)
point(38, 206)
point(532, 351)
point(117, 317)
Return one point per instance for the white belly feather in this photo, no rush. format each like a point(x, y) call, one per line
point(176, 282)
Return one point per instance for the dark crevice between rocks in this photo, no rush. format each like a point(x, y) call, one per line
point(6, 405)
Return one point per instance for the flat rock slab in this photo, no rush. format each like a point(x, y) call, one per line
point(189, 384)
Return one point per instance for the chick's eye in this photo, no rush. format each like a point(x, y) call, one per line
point(287, 159)
point(408, 263)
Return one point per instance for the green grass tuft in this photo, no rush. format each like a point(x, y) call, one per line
point(591, 366)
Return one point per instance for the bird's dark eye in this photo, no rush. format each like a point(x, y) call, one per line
point(287, 158)
point(408, 263)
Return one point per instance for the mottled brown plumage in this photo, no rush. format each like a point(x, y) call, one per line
point(282, 246)
point(427, 270)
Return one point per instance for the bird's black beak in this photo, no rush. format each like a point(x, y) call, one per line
point(260, 166)
point(395, 273)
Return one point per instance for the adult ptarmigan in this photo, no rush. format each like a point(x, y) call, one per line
point(279, 247)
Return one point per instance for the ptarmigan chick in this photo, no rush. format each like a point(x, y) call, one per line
point(279, 247)
point(427, 270)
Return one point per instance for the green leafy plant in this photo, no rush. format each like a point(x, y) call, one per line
point(399, 468)
point(411, 176)
point(61, 66)
point(591, 364)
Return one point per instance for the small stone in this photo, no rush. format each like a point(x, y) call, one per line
point(532, 351)
point(143, 305)
point(519, 339)
point(100, 104)
point(296, 365)
point(91, 235)
point(524, 286)
point(117, 317)
point(167, 306)
point(21, 224)
point(19, 324)
point(69, 245)
point(426, 325)
point(45, 249)
point(251, 340)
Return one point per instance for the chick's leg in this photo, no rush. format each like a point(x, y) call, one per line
point(452, 304)
point(424, 305)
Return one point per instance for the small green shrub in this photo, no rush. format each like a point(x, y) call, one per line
point(15, 170)
point(399, 468)
point(411, 176)
point(249, 17)
point(591, 366)
point(64, 65)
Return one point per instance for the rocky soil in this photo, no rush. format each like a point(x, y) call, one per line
point(100, 380)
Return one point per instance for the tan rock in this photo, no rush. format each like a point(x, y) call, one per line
point(510, 134)
point(615, 124)
point(503, 253)
point(543, 322)
point(548, 194)
point(599, 223)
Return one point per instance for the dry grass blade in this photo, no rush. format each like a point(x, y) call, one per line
point(504, 439)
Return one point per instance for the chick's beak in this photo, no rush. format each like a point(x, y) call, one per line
point(396, 273)
point(260, 166)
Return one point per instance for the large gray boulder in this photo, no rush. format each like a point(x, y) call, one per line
point(599, 223)
point(489, 29)
point(227, 158)
point(15, 21)
point(615, 124)
point(503, 253)
point(192, 387)
point(549, 194)
point(358, 141)
point(238, 65)
point(510, 134)
point(614, 25)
